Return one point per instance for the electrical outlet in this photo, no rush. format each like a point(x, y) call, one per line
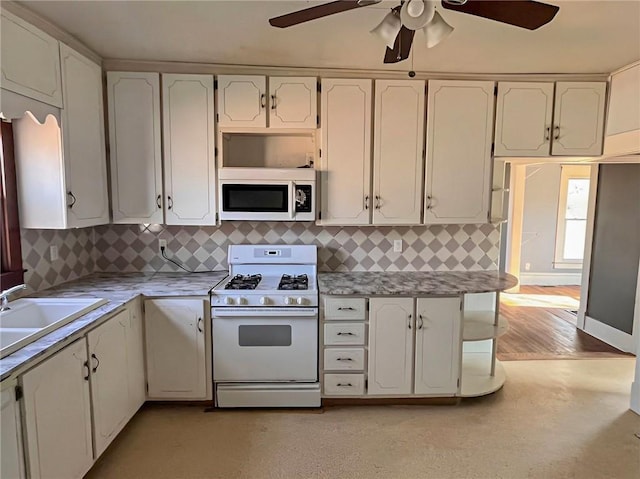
point(527, 266)
point(397, 246)
point(162, 243)
point(53, 252)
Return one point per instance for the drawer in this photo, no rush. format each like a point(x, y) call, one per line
point(336, 308)
point(344, 359)
point(336, 334)
point(344, 384)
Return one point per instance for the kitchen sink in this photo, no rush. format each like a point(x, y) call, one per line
point(28, 319)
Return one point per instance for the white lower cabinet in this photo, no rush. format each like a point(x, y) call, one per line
point(12, 456)
point(175, 338)
point(57, 407)
point(135, 358)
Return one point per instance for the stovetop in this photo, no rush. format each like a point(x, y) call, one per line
point(240, 281)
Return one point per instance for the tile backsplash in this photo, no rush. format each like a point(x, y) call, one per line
point(134, 248)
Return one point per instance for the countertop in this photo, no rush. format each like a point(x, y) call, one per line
point(118, 288)
point(414, 283)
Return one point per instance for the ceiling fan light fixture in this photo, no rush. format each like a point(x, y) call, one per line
point(415, 14)
point(436, 30)
point(388, 29)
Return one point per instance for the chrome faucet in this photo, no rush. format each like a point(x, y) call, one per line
point(4, 301)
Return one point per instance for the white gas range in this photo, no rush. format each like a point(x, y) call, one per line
point(265, 328)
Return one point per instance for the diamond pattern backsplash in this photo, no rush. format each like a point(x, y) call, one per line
point(134, 248)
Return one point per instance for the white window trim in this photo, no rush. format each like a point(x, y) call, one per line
point(567, 172)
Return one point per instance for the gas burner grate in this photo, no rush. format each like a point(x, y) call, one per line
point(244, 281)
point(289, 282)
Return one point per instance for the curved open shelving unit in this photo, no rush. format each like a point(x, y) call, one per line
point(475, 378)
point(480, 325)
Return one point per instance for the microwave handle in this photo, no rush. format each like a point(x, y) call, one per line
point(292, 200)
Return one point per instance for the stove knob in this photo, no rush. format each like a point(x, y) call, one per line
point(301, 301)
point(264, 300)
point(241, 300)
point(288, 300)
point(228, 300)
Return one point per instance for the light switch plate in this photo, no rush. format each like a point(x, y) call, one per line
point(397, 246)
point(53, 252)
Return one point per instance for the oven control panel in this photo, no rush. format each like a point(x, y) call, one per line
point(264, 300)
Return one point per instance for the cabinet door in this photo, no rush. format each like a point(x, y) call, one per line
point(390, 346)
point(12, 457)
point(134, 142)
point(189, 164)
point(83, 140)
point(242, 100)
point(293, 102)
point(459, 136)
point(135, 357)
point(57, 409)
point(523, 119)
point(175, 348)
point(30, 61)
point(346, 152)
point(438, 343)
point(109, 382)
point(398, 137)
point(578, 118)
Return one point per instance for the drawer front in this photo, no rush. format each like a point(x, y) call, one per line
point(344, 308)
point(344, 384)
point(344, 359)
point(344, 334)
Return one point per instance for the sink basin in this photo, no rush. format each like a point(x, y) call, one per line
point(31, 318)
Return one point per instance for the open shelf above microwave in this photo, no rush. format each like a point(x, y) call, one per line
point(268, 150)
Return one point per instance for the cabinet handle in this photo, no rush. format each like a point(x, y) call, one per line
point(557, 130)
point(345, 334)
point(348, 308)
point(347, 385)
point(366, 202)
point(409, 321)
point(548, 134)
point(86, 365)
point(263, 103)
point(429, 199)
point(95, 368)
point(158, 203)
point(273, 102)
point(170, 201)
point(344, 359)
point(377, 202)
point(73, 198)
point(198, 324)
point(421, 321)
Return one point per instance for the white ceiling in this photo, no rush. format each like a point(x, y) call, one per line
point(584, 37)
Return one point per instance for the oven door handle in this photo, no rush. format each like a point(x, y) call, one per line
point(303, 313)
point(292, 200)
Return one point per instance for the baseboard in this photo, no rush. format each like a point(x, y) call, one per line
point(635, 397)
point(612, 336)
point(551, 279)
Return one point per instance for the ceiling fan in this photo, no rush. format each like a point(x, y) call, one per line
point(399, 26)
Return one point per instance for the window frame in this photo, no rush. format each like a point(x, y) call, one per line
point(568, 172)
point(11, 272)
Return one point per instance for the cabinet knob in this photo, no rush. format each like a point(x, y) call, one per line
point(366, 202)
point(170, 202)
point(263, 103)
point(409, 321)
point(557, 130)
point(95, 368)
point(73, 198)
point(377, 202)
point(429, 200)
point(273, 102)
point(158, 201)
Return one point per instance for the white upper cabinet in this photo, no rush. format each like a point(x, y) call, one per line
point(459, 137)
point(623, 121)
point(398, 147)
point(30, 61)
point(292, 102)
point(578, 118)
point(242, 101)
point(346, 151)
point(438, 343)
point(61, 169)
point(135, 147)
point(543, 118)
point(523, 119)
point(390, 346)
point(189, 163)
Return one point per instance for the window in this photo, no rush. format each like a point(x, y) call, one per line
point(572, 216)
point(12, 272)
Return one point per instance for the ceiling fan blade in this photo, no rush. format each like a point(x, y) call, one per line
point(318, 11)
point(520, 13)
point(401, 47)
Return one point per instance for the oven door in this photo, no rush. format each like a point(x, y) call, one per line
point(265, 344)
point(254, 200)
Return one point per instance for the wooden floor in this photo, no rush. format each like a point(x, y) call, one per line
point(540, 327)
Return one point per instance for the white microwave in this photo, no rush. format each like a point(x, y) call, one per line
point(267, 194)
